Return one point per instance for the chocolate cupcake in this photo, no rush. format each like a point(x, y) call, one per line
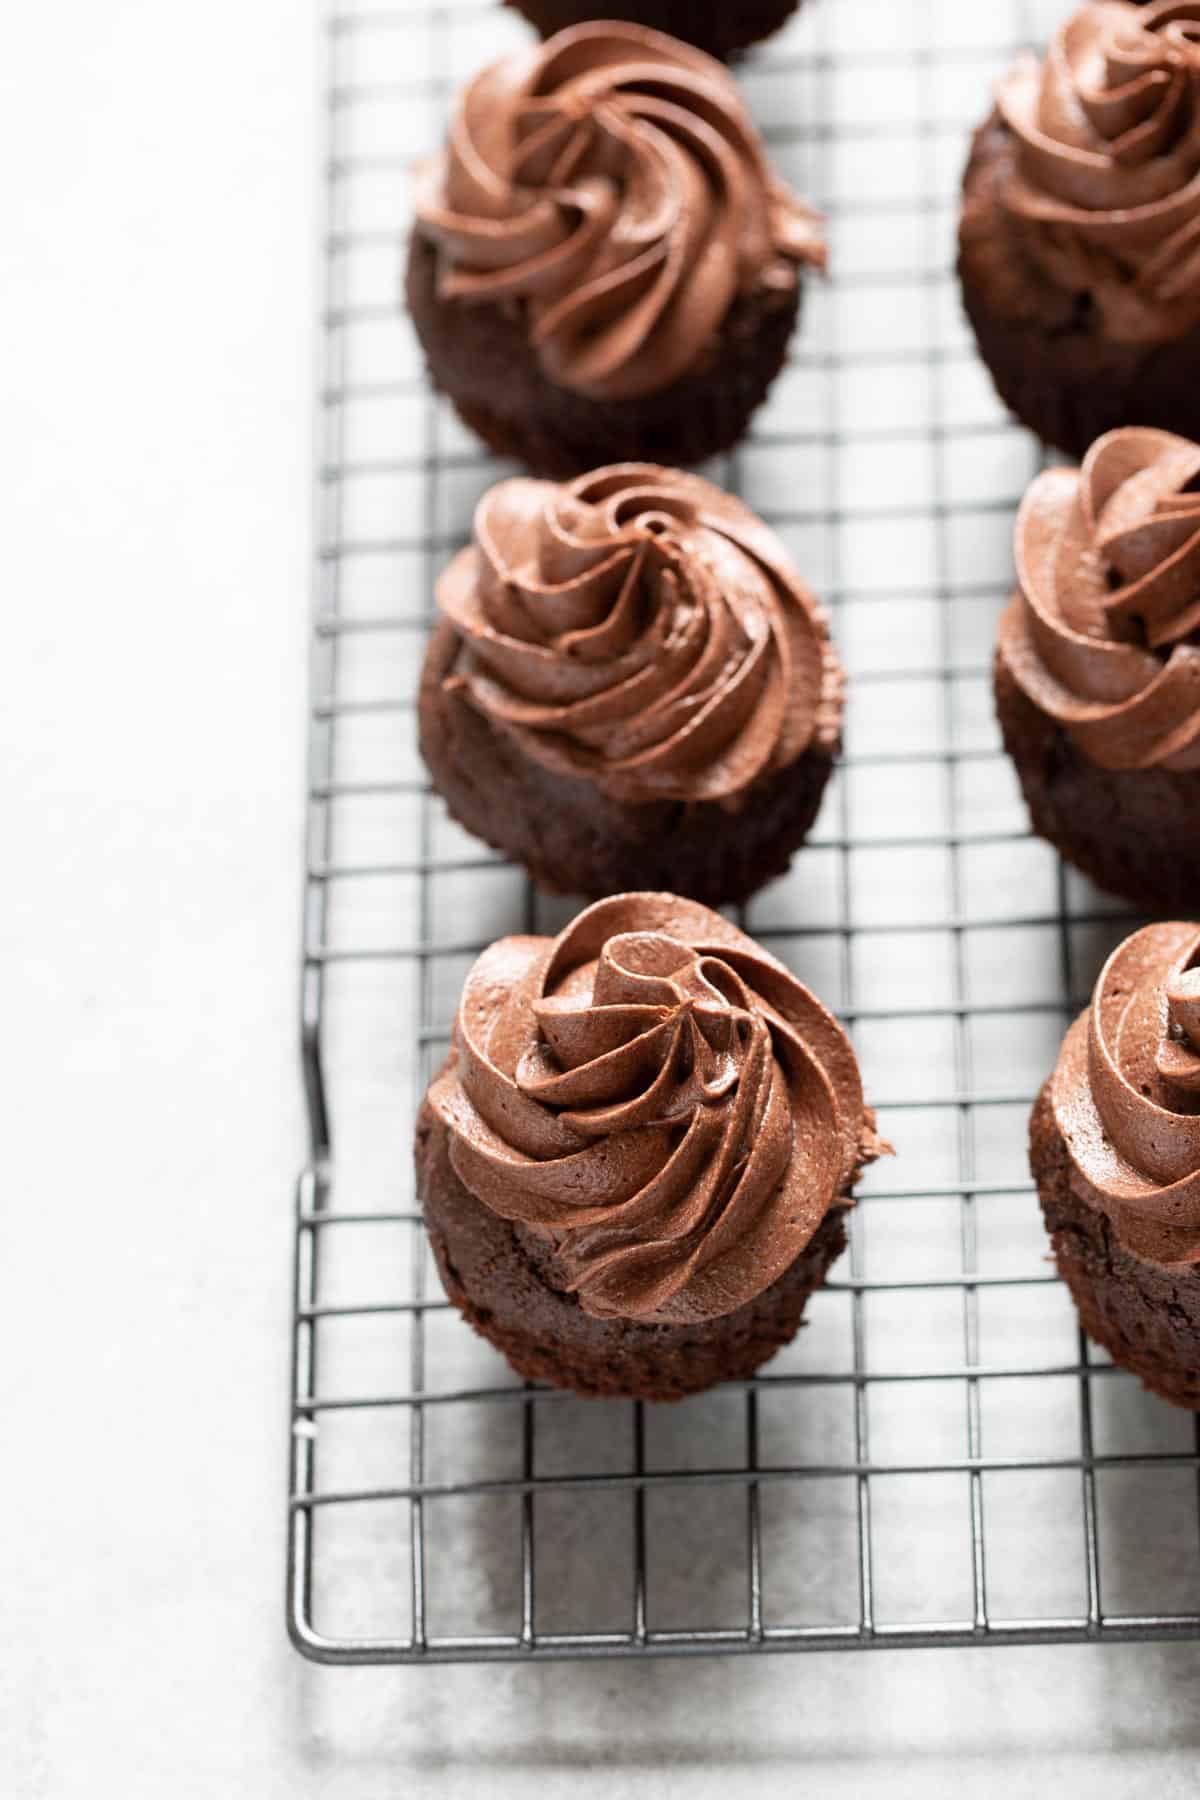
point(630, 684)
point(1079, 249)
point(711, 25)
point(1098, 665)
point(1115, 1150)
point(635, 1162)
point(603, 264)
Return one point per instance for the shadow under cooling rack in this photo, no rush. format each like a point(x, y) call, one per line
point(940, 1457)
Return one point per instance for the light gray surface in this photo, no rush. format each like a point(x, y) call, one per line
point(156, 307)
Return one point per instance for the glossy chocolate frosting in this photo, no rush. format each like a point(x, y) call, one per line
point(643, 629)
point(1126, 1094)
point(658, 1101)
point(1103, 633)
point(610, 182)
point(1106, 178)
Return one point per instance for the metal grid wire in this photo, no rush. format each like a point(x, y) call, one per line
point(941, 1457)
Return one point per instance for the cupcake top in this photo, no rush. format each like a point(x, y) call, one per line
point(1103, 633)
point(641, 628)
point(1126, 1094)
point(658, 1101)
point(1106, 177)
point(611, 183)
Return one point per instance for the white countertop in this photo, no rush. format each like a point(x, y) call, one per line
point(158, 310)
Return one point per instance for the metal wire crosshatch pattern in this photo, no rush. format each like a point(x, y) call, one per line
point(941, 1458)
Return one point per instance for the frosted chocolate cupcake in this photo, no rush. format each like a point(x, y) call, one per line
point(630, 684)
point(603, 263)
point(1080, 235)
point(711, 25)
point(1115, 1148)
point(635, 1164)
point(1098, 665)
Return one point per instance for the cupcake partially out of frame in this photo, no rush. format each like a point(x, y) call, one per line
point(1115, 1151)
point(629, 684)
point(603, 264)
point(1098, 666)
point(1080, 234)
point(635, 1164)
point(713, 25)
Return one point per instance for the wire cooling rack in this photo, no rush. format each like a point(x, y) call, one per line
point(940, 1458)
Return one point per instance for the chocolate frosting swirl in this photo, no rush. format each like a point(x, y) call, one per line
point(1104, 632)
point(610, 182)
point(1107, 175)
point(1126, 1094)
point(640, 627)
point(660, 1100)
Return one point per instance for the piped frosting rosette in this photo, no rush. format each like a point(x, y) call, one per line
point(610, 181)
point(641, 628)
point(660, 1100)
point(1103, 634)
point(1126, 1094)
point(1107, 173)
